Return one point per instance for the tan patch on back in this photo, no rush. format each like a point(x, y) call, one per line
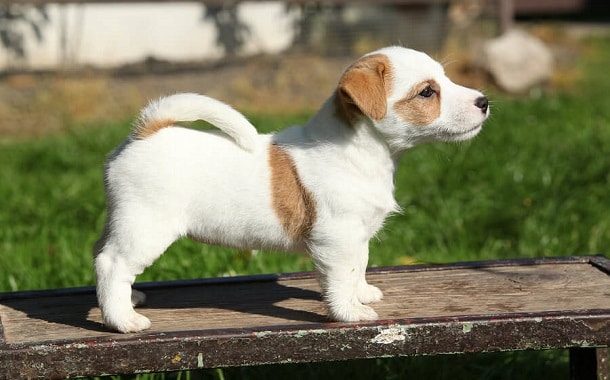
point(149, 128)
point(293, 203)
point(364, 88)
point(417, 110)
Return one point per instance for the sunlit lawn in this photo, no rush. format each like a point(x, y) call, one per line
point(535, 183)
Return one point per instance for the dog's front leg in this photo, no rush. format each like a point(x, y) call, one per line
point(341, 276)
point(366, 292)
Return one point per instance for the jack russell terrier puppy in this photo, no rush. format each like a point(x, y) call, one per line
point(324, 188)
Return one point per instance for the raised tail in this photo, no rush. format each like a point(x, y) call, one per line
point(165, 112)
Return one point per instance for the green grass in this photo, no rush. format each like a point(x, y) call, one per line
point(535, 183)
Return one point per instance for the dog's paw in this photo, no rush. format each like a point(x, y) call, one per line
point(368, 293)
point(138, 298)
point(134, 322)
point(352, 312)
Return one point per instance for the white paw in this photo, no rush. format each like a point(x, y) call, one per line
point(134, 322)
point(137, 298)
point(368, 293)
point(352, 312)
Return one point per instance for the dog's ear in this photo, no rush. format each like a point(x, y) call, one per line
point(365, 85)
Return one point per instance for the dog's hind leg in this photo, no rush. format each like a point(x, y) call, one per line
point(123, 252)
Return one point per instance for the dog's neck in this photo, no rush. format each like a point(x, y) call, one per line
point(357, 138)
point(358, 151)
point(344, 153)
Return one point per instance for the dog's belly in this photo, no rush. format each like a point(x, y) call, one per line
point(242, 239)
point(239, 227)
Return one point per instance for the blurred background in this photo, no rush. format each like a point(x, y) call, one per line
point(536, 182)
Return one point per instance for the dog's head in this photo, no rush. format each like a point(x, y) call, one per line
point(409, 99)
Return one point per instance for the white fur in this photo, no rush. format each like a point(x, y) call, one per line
point(191, 107)
point(181, 182)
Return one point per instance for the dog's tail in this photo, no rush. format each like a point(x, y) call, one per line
point(165, 112)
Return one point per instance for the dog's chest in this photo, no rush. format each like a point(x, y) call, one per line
point(377, 212)
point(373, 201)
point(366, 205)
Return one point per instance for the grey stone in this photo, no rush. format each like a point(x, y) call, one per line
point(517, 61)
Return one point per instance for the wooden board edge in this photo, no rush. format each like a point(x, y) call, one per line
point(168, 353)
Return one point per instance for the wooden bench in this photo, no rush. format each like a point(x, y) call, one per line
point(428, 309)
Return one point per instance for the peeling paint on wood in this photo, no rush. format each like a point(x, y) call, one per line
point(390, 335)
point(176, 359)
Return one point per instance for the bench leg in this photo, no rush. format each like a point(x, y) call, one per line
point(603, 364)
point(589, 364)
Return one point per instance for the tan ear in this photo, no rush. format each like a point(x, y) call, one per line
point(365, 85)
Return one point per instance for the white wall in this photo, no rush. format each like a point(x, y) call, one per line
point(113, 34)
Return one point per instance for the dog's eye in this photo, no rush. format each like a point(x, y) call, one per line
point(427, 92)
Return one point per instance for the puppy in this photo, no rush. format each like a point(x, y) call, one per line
point(324, 188)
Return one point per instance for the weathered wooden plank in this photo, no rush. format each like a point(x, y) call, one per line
point(174, 351)
point(468, 307)
point(298, 275)
point(296, 299)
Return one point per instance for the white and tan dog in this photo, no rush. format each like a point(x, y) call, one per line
point(324, 188)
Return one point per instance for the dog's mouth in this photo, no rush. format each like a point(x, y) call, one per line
point(463, 135)
point(476, 127)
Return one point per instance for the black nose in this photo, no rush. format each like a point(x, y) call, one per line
point(482, 103)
